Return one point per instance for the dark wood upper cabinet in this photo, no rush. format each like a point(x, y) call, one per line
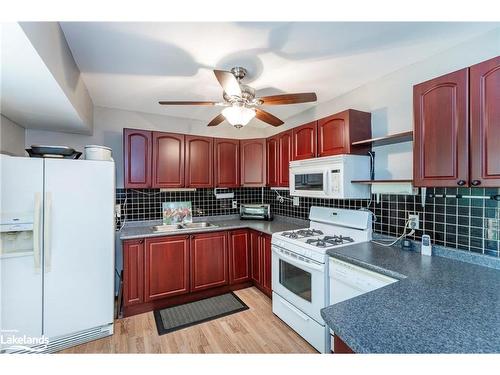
point(485, 123)
point(304, 141)
point(285, 151)
point(133, 272)
point(209, 261)
point(266, 263)
point(227, 162)
point(168, 160)
point(199, 162)
point(137, 150)
point(273, 158)
point(239, 256)
point(166, 267)
point(253, 162)
point(255, 257)
point(337, 132)
point(440, 150)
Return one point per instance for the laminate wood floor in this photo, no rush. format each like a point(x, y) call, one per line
point(255, 330)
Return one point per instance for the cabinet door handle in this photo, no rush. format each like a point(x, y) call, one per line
point(475, 183)
point(461, 182)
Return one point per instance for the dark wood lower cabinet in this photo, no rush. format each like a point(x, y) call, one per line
point(165, 271)
point(209, 261)
point(266, 263)
point(340, 347)
point(167, 267)
point(239, 256)
point(255, 257)
point(260, 247)
point(133, 272)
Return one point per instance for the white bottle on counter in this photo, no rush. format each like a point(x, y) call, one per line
point(426, 248)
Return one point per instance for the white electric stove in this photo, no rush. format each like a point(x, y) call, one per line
point(300, 268)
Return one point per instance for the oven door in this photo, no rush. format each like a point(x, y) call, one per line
point(307, 182)
point(300, 282)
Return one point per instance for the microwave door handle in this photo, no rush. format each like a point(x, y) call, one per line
point(326, 181)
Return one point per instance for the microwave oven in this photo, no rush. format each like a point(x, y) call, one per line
point(330, 177)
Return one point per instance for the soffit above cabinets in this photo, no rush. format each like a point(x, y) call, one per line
point(30, 95)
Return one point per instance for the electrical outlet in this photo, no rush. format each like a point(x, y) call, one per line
point(296, 201)
point(118, 210)
point(414, 221)
point(235, 204)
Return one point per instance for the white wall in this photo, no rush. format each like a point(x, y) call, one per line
point(49, 41)
point(389, 99)
point(109, 124)
point(12, 137)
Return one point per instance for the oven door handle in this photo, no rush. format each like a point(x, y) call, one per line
point(309, 265)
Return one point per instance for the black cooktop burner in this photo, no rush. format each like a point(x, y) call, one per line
point(302, 233)
point(329, 241)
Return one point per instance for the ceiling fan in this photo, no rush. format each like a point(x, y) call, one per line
point(240, 102)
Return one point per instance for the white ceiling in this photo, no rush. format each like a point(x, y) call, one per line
point(30, 95)
point(133, 65)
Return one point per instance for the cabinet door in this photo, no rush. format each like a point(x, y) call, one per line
point(168, 160)
point(266, 262)
point(253, 162)
point(304, 141)
point(272, 161)
point(133, 272)
point(167, 267)
point(239, 256)
point(333, 136)
point(209, 261)
point(285, 142)
point(137, 150)
point(337, 132)
point(255, 257)
point(227, 162)
point(485, 123)
point(440, 149)
point(199, 162)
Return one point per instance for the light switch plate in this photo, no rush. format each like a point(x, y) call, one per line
point(296, 201)
point(235, 204)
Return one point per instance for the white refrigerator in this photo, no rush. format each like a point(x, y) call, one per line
point(56, 252)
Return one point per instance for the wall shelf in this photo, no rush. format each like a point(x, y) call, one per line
point(373, 182)
point(387, 140)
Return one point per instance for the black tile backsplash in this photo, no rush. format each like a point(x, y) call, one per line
point(146, 204)
point(467, 224)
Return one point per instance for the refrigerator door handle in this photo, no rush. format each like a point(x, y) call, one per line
point(47, 229)
point(36, 232)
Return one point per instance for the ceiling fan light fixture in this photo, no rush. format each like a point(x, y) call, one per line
point(238, 115)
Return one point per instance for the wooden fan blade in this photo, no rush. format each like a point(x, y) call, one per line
point(216, 120)
point(305, 97)
point(267, 117)
point(166, 102)
point(228, 82)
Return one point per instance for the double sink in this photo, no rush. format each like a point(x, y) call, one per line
point(183, 226)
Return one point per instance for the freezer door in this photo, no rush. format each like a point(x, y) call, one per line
point(79, 245)
point(21, 188)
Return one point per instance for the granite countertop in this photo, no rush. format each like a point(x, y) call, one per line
point(439, 305)
point(144, 229)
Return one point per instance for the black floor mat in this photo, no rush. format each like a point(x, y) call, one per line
point(186, 315)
